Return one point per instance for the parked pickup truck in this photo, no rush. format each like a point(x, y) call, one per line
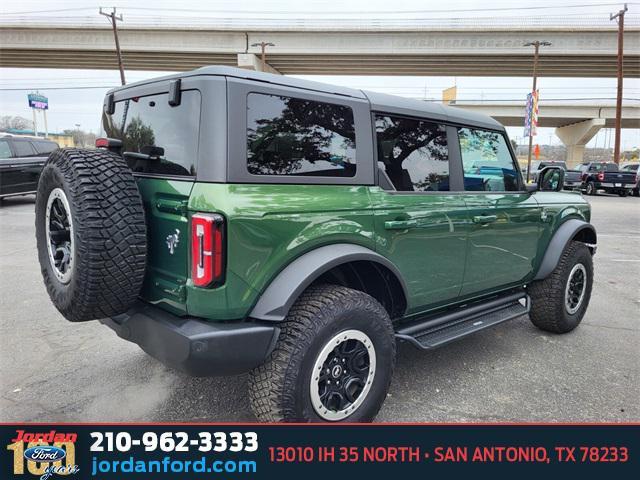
point(606, 176)
point(572, 180)
point(633, 168)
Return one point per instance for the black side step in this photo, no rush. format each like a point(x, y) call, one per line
point(444, 328)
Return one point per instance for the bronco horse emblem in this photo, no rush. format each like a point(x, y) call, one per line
point(173, 240)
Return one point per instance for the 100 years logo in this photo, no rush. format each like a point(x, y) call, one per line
point(44, 453)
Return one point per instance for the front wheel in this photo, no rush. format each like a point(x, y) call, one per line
point(333, 361)
point(559, 302)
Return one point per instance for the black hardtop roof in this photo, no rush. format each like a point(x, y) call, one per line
point(379, 101)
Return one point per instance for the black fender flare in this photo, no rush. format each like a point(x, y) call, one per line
point(565, 233)
point(286, 287)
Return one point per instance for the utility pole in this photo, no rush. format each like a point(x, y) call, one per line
point(113, 18)
point(536, 45)
point(263, 46)
point(620, 19)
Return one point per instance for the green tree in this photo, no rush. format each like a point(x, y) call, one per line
point(137, 135)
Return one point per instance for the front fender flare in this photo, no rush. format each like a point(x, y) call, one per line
point(286, 287)
point(565, 233)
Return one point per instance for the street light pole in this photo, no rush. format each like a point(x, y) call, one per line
point(536, 45)
point(263, 56)
point(78, 134)
point(113, 19)
point(620, 17)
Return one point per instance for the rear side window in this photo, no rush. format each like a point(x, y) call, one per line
point(157, 138)
point(294, 136)
point(5, 149)
point(414, 153)
point(487, 162)
point(44, 148)
point(23, 149)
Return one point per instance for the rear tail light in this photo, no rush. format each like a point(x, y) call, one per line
point(207, 249)
point(601, 176)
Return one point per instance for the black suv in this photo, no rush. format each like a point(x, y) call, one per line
point(21, 161)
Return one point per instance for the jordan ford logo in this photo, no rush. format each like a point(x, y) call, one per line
point(172, 241)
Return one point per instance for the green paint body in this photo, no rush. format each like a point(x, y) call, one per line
point(446, 257)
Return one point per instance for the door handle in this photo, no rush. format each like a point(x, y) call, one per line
point(400, 224)
point(484, 219)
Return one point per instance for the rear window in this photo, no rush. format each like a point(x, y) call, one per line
point(44, 148)
point(603, 167)
point(5, 149)
point(157, 138)
point(414, 153)
point(294, 136)
point(23, 149)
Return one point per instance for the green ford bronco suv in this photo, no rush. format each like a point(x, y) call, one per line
point(237, 222)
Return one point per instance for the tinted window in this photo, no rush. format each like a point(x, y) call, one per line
point(44, 148)
point(157, 138)
point(5, 150)
point(603, 167)
point(23, 149)
point(487, 161)
point(414, 153)
point(293, 136)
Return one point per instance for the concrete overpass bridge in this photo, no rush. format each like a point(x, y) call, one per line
point(575, 123)
point(435, 47)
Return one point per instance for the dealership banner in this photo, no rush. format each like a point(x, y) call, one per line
point(183, 451)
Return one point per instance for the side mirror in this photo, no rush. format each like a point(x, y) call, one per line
point(551, 179)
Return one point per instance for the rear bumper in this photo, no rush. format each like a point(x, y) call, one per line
point(618, 186)
point(197, 347)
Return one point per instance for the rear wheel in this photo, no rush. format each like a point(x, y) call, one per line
point(559, 302)
point(333, 360)
point(622, 193)
point(90, 233)
point(590, 189)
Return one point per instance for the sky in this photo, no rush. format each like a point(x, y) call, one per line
point(75, 96)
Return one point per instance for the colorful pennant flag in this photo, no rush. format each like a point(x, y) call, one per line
point(531, 114)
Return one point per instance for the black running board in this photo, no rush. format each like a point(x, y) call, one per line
point(452, 325)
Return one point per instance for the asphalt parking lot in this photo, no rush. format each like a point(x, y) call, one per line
point(54, 370)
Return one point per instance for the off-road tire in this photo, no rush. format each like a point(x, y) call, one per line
point(279, 389)
point(590, 189)
point(109, 232)
point(548, 311)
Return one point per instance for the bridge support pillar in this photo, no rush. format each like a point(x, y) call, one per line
point(576, 136)
point(251, 61)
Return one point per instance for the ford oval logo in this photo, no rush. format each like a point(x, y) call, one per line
point(44, 454)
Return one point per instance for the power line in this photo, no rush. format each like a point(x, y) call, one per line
point(471, 10)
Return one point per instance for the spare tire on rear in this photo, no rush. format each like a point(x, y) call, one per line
point(90, 233)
